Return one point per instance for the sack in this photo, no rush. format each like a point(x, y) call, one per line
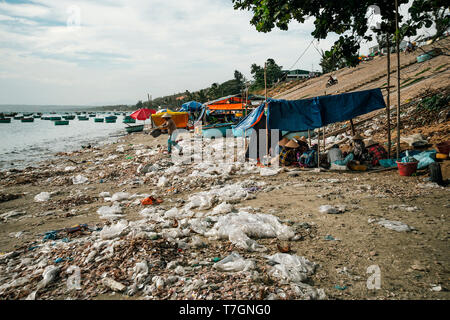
point(308, 159)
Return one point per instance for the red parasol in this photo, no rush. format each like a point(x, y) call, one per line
point(142, 114)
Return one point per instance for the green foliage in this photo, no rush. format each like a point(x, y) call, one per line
point(436, 102)
point(139, 105)
point(274, 73)
point(347, 18)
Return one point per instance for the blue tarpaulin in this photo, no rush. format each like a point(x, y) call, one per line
point(251, 119)
point(191, 106)
point(300, 115)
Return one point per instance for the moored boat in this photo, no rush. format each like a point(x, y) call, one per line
point(129, 119)
point(99, 120)
point(55, 118)
point(110, 120)
point(213, 130)
point(5, 120)
point(61, 122)
point(69, 117)
point(27, 119)
point(138, 128)
point(83, 118)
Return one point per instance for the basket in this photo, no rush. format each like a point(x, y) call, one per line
point(443, 147)
point(406, 169)
point(156, 133)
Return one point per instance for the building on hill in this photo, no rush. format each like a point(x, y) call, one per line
point(376, 48)
point(299, 74)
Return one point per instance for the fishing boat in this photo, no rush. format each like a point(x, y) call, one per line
point(83, 118)
point(99, 120)
point(18, 117)
point(37, 116)
point(61, 122)
point(110, 120)
point(69, 117)
point(92, 115)
point(5, 120)
point(138, 128)
point(240, 132)
point(27, 119)
point(212, 130)
point(55, 118)
point(111, 117)
point(129, 119)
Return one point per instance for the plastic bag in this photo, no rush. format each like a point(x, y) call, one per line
point(115, 230)
point(234, 263)
point(291, 267)
point(113, 212)
point(42, 197)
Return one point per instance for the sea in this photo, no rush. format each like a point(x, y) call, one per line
point(25, 144)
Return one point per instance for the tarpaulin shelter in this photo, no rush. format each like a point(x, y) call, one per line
point(191, 106)
point(302, 115)
point(307, 114)
point(180, 118)
point(233, 102)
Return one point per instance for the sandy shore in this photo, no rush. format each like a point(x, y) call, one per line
point(413, 264)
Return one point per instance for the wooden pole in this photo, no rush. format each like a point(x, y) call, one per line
point(309, 137)
point(352, 126)
point(318, 148)
point(388, 99)
point(324, 141)
point(397, 40)
point(267, 113)
point(151, 119)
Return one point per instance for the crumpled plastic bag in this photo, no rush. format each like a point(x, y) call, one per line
point(115, 230)
point(239, 227)
point(425, 159)
point(119, 196)
point(79, 179)
point(291, 268)
point(234, 263)
point(42, 197)
point(395, 225)
point(112, 212)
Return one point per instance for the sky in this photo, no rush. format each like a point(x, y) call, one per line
point(108, 52)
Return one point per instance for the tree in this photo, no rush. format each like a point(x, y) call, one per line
point(274, 73)
point(346, 18)
point(139, 105)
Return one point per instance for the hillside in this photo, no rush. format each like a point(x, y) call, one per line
point(417, 80)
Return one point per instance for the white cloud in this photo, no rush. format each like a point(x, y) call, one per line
point(126, 48)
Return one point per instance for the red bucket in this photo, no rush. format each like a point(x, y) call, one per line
point(406, 169)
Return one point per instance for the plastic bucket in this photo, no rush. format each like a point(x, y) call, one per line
point(406, 169)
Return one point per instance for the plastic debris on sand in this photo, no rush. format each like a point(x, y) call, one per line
point(291, 268)
point(234, 262)
point(112, 212)
point(79, 179)
point(239, 227)
point(393, 225)
point(332, 209)
point(115, 230)
point(42, 197)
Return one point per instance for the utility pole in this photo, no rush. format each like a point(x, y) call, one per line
point(388, 107)
point(397, 39)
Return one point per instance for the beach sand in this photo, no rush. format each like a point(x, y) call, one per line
point(411, 263)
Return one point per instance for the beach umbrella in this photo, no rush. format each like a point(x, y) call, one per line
point(142, 114)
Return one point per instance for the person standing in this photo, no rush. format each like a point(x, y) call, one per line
point(171, 128)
